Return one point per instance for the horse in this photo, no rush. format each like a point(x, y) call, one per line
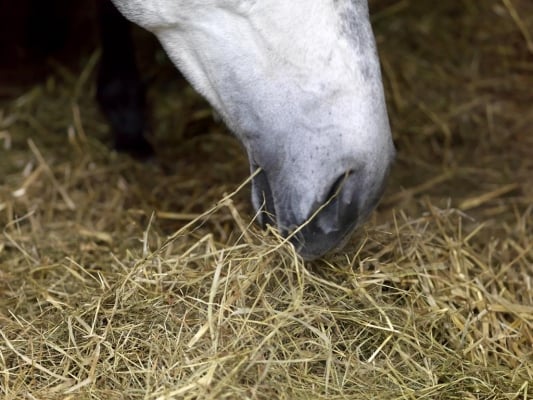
point(299, 84)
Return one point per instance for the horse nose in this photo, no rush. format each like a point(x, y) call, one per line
point(330, 222)
point(344, 208)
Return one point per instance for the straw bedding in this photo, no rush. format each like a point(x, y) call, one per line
point(124, 279)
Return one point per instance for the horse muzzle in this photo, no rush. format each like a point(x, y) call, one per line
point(331, 220)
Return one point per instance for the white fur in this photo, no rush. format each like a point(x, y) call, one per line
point(304, 96)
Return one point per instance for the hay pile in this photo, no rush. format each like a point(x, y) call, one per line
point(120, 279)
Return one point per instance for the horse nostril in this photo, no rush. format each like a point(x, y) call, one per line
point(263, 199)
point(336, 189)
point(337, 210)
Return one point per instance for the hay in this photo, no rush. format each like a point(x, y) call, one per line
point(127, 280)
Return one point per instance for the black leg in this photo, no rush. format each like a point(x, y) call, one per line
point(120, 92)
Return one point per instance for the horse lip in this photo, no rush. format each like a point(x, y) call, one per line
point(333, 240)
point(322, 234)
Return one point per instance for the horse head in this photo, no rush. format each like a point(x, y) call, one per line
point(299, 83)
